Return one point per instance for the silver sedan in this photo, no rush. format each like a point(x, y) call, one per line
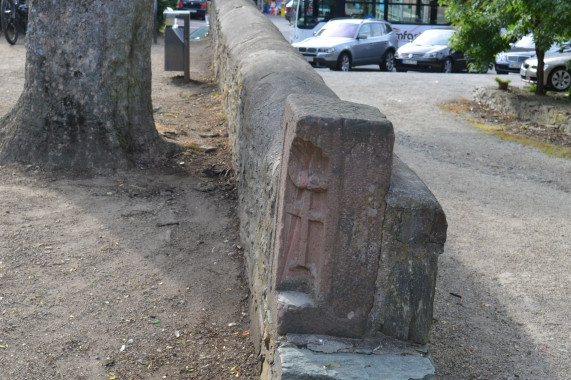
point(556, 71)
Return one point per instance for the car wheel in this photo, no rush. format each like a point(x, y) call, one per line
point(447, 65)
point(388, 61)
point(344, 62)
point(559, 79)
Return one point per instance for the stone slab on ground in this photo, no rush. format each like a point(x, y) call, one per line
point(303, 364)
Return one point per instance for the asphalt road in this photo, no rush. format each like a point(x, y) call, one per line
point(509, 212)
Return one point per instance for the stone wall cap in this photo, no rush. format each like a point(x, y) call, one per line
point(328, 107)
point(408, 190)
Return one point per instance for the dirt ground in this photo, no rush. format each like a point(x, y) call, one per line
point(134, 275)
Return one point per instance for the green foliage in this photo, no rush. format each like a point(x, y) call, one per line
point(478, 29)
point(486, 27)
point(500, 80)
point(161, 6)
point(502, 84)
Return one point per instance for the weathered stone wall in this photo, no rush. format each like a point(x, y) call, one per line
point(527, 107)
point(257, 70)
point(414, 232)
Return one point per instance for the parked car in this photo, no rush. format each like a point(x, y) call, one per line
point(197, 8)
point(556, 74)
point(430, 52)
point(345, 43)
point(524, 48)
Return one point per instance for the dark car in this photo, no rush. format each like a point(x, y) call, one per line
point(197, 8)
point(430, 52)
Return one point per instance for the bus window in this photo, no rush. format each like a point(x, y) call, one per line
point(409, 12)
point(312, 12)
point(440, 18)
point(361, 9)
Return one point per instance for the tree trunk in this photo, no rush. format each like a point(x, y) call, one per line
point(540, 89)
point(87, 96)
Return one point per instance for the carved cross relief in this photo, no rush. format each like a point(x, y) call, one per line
point(304, 216)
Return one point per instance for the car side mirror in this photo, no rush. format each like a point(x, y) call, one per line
point(362, 37)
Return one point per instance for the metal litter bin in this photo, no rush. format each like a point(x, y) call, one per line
point(177, 40)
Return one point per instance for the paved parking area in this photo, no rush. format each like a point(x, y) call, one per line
point(502, 305)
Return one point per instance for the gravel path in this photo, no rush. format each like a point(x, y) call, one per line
point(503, 306)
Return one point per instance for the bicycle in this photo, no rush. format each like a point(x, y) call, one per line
point(14, 19)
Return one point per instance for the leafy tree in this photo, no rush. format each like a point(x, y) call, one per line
point(486, 27)
point(161, 6)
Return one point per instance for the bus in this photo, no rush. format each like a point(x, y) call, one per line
point(409, 18)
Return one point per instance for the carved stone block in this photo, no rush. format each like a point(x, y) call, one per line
point(335, 173)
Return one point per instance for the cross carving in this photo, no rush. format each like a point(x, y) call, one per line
point(305, 210)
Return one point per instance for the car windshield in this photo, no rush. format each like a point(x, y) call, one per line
point(338, 29)
point(525, 42)
point(433, 37)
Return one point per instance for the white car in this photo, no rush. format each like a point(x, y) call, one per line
point(556, 71)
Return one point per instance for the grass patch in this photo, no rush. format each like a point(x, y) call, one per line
point(549, 149)
point(191, 146)
point(531, 88)
point(553, 143)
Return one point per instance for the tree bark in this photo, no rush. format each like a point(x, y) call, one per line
point(540, 88)
point(87, 96)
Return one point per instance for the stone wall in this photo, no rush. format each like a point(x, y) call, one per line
point(527, 107)
point(257, 70)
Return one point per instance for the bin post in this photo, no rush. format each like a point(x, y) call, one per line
point(177, 42)
point(186, 56)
